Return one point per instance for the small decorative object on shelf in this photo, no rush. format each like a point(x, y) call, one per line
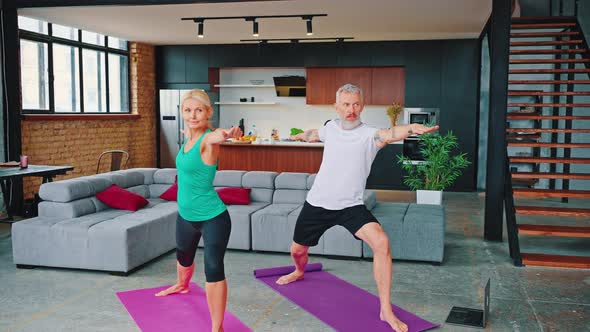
point(393, 113)
point(24, 161)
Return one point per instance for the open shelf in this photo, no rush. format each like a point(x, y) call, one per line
point(245, 103)
point(244, 86)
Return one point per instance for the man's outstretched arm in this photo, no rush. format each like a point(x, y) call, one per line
point(385, 136)
point(310, 135)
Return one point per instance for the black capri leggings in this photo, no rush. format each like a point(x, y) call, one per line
point(215, 233)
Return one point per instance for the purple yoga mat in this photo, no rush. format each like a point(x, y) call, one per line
point(338, 303)
point(178, 312)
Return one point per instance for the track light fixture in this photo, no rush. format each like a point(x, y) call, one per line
point(308, 25)
point(200, 24)
point(254, 28)
point(297, 40)
point(201, 21)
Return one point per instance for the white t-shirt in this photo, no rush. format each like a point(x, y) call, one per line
point(346, 164)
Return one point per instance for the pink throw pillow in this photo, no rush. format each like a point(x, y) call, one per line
point(171, 194)
point(234, 195)
point(119, 198)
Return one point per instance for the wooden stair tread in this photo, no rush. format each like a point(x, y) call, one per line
point(525, 116)
point(542, 25)
point(579, 262)
point(550, 145)
point(546, 130)
point(548, 51)
point(543, 18)
point(543, 34)
point(554, 230)
point(547, 93)
point(547, 43)
point(543, 82)
point(552, 211)
point(546, 105)
point(535, 175)
point(533, 61)
point(549, 160)
point(527, 182)
point(548, 193)
point(548, 71)
point(520, 137)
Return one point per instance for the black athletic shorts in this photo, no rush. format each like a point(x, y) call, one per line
point(313, 221)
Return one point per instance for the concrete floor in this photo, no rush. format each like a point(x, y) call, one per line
point(523, 299)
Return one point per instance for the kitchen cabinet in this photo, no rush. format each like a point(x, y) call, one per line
point(380, 85)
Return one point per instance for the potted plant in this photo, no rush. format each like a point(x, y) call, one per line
point(393, 113)
point(440, 168)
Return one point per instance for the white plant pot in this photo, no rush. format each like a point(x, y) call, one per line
point(433, 197)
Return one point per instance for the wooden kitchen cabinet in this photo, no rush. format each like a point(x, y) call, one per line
point(387, 85)
point(380, 85)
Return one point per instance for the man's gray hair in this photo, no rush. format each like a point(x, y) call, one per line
point(350, 88)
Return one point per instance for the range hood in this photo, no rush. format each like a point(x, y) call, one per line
point(289, 86)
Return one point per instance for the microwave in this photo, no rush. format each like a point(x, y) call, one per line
point(421, 115)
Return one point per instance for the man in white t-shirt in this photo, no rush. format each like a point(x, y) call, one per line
point(336, 197)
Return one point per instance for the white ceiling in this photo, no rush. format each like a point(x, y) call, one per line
point(366, 20)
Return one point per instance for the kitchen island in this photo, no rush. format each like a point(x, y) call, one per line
point(278, 157)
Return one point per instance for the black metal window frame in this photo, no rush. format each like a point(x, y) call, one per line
point(49, 40)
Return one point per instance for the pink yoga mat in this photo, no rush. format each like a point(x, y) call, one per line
point(178, 312)
point(338, 303)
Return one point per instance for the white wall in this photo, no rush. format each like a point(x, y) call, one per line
point(288, 112)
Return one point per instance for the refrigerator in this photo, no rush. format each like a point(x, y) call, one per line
point(171, 124)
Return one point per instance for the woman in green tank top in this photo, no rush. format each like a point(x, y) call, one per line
point(200, 210)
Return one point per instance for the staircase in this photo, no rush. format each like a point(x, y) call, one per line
point(548, 135)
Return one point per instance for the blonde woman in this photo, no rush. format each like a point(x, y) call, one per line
point(200, 210)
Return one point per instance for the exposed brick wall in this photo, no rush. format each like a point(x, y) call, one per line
point(79, 142)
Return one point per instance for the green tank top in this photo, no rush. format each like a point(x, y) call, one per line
point(197, 200)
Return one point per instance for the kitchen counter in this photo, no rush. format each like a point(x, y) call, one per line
point(283, 156)
point(293, 144)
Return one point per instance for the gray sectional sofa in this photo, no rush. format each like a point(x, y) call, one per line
point(76, 230)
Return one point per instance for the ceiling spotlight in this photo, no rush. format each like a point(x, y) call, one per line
point(309, 27)
point(254, 28)
point(200, 30)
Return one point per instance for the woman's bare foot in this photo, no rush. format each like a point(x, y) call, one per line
point(173, 290)
point(396, 324)
point(289, 278)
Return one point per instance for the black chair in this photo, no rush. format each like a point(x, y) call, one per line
point(119, 159)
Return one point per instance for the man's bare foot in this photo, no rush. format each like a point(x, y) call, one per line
point(396, 324)
point(289, 278)
point(173, 290)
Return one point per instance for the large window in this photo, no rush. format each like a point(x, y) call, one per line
point(66, 70)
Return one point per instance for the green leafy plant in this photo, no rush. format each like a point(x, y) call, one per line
point(440, 168)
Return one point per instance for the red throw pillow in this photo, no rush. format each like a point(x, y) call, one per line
point(171, 193)
point(119, 198)
point(237, 196)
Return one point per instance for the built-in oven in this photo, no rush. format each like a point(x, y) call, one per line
point(425, 116)
point(411, 149)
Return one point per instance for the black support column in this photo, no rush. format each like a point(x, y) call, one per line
point(496, 162)
point(11, 100)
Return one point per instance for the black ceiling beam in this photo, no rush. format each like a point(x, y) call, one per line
point(16, 4)
point(295, 40)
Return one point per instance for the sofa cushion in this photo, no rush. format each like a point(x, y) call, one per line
point(72, 209)
point(291, 180)
point(66, 190)
point(228, 178)
point(127, 178)
point(233, 195)
point(119, 198)
point(165, 176)
point(262, 184)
